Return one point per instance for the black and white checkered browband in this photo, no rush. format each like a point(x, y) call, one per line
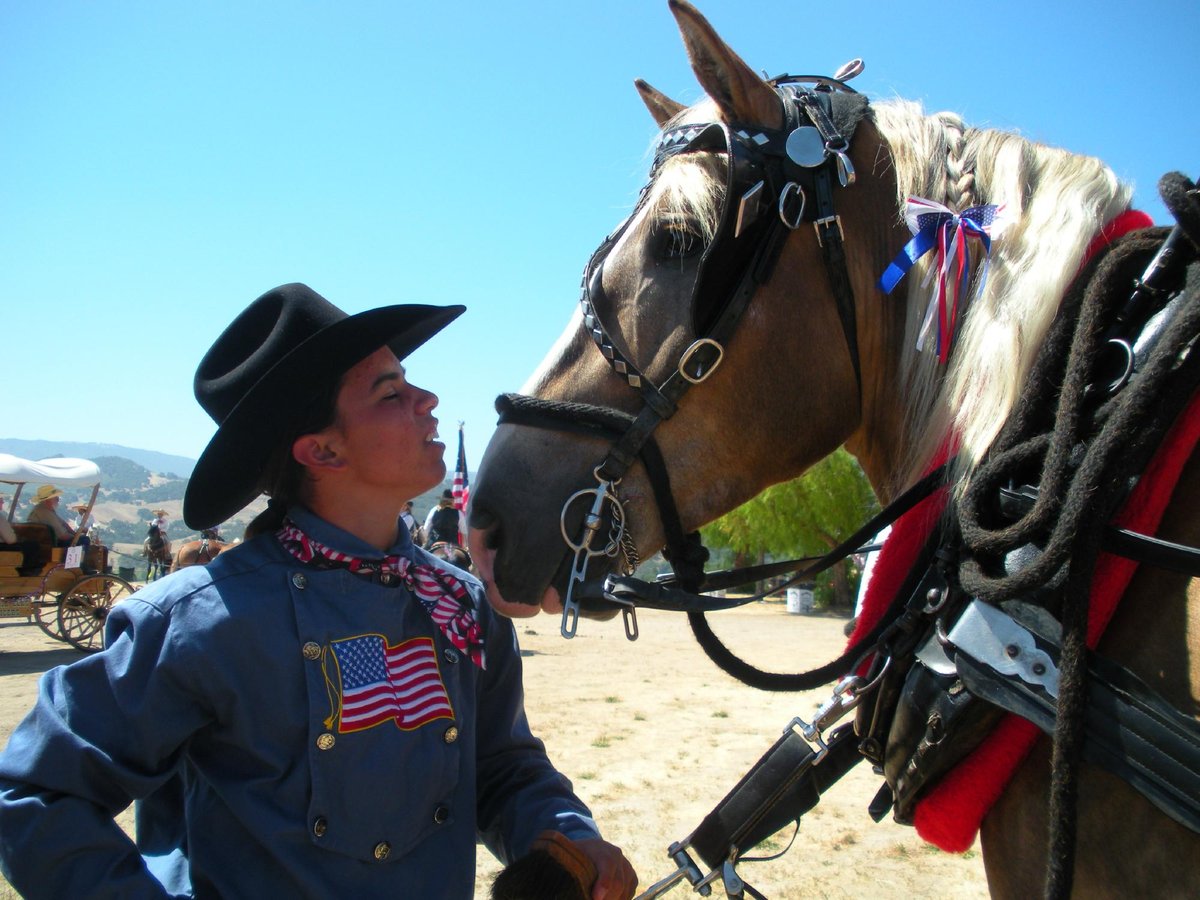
point(622, 366)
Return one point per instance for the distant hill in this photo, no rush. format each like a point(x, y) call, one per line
point(134, 482)
point(159, 463)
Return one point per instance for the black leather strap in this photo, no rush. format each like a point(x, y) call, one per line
point(783, 785)
point(1131, 730)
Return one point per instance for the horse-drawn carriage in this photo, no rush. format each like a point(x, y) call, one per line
point(67, 590)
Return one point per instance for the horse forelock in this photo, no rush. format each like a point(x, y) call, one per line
point(1055, 202)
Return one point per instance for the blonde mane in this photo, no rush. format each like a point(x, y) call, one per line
point(1056, 203)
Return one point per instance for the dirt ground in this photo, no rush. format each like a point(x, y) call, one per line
point(653, 735)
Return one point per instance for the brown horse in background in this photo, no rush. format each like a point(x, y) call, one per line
point(453, 554)
point(199, 553)
point(795, 382)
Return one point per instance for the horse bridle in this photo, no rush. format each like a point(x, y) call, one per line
point(780, 179)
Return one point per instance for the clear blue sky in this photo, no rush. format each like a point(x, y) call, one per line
point(163, 163)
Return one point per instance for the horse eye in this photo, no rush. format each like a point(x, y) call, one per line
point(674, 242)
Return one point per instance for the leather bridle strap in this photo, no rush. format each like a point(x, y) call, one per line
point(598, 421)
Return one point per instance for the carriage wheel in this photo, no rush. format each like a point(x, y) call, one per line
point(45, 607)
point(83, 609)
point(45, 610)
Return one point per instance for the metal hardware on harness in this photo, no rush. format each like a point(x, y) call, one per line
point(748, 208)
point(992, 638)
point(788, 190)
point(828, 220)
point(585, 548)
point(702, 370)
point(786, 782)
point(847, 694)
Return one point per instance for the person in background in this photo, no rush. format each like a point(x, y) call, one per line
point(45, 512)
point(10, 543)
point(323, 711)
point(157, 531)
point(410, 522)
point(442, 523)
point(83, 520)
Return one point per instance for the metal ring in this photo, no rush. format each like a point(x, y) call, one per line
point(618, 518)
point(1124, 352)
point(788, 189)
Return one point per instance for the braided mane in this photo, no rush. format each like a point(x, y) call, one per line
point(1056, 202)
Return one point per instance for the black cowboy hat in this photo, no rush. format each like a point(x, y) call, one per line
point(258, 376)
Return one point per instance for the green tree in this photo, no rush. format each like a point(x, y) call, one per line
point(807, 516)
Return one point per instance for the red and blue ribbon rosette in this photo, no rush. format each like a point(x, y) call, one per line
point(939, 229)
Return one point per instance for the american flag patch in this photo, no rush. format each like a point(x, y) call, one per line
point(381, 682)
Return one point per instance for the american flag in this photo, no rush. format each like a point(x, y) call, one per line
point(381, 682)
point(462, 485)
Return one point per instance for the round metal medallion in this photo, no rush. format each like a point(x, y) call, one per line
point(805, 147)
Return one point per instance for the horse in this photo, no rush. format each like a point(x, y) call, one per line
point(452, 553)
point(157, 552)
point(200, 552)
point(796, 348)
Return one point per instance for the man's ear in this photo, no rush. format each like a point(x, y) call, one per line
point(315, 451)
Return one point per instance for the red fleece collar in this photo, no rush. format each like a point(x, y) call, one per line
point(949, 816)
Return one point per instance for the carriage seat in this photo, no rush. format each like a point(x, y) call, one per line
point(11, 563)
point(43, 537)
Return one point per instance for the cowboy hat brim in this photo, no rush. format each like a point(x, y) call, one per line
point(227, 475)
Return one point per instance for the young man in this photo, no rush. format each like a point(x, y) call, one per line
point(323, 711)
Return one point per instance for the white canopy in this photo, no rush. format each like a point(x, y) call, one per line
point(60, 470)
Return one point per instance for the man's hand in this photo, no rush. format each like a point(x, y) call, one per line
point(615, 878)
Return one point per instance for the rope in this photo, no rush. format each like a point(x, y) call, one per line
point(1084, 452)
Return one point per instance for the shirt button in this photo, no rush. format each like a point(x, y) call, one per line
point(312, 650)
point(300, 580)
point(382, 849)
point(451, 655)
point(320, 826)
point(325, 741)
point(441, 815)
point(450, 735)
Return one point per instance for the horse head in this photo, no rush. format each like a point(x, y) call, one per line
point(741, 333)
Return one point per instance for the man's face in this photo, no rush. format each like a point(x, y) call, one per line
point(385, 430)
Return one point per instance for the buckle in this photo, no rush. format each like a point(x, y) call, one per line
point(703, 370)
point(828, 220)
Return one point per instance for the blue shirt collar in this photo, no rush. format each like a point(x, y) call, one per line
point(338, 539)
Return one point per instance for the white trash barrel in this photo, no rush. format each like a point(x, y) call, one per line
point(793, 600)
point(800, 600)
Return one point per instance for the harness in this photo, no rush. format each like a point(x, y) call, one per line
point(916, 681)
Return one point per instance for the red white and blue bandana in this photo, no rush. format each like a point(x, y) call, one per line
point(441, 595)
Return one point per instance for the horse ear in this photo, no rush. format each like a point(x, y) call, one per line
point(741, 94)
point(662, 107)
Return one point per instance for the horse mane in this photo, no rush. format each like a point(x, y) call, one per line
point(1056, 202)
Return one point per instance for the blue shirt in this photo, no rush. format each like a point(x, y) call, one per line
point(221, 702)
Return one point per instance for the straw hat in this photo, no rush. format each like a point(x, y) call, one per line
point(159, 512)
point(44, 493)
point(256, 381)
